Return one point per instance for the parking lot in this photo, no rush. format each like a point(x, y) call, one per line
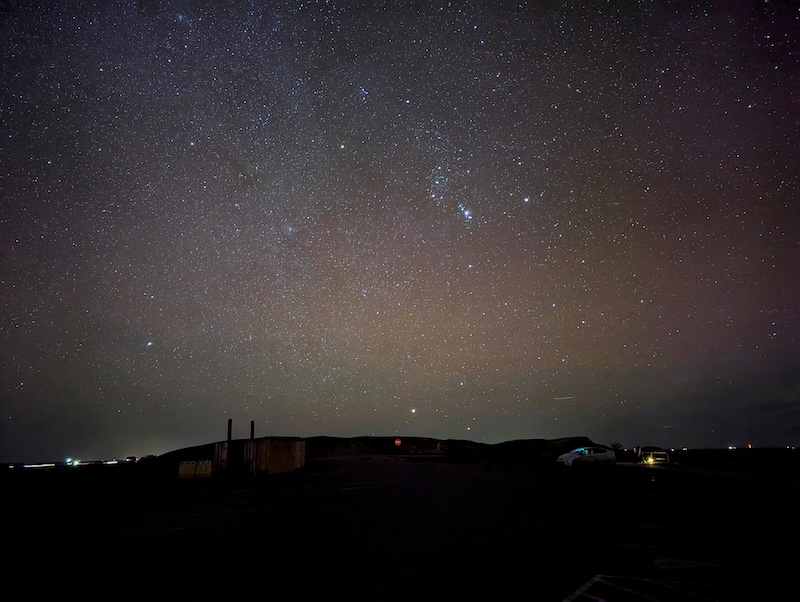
point(392, 529)
point(699, 535)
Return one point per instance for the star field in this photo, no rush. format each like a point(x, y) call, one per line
point(466, 220)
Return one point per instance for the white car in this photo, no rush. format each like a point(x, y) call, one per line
point(588, 455)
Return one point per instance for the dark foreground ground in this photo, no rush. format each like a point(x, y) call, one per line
point(402, 529)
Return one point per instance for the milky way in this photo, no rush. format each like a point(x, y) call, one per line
point(468, 220)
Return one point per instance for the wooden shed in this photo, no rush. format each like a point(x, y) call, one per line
point(266, 455)
point(274, 455)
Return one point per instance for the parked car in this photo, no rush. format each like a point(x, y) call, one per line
point(653, 455)
point(588, 455)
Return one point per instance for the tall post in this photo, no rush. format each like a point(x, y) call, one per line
point(230, 428)
point(252, 430)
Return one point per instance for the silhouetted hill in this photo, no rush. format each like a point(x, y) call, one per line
point(533, 450)
point(322, 447)
point(338, 447)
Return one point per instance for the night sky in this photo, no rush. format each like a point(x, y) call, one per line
point(471, 220)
